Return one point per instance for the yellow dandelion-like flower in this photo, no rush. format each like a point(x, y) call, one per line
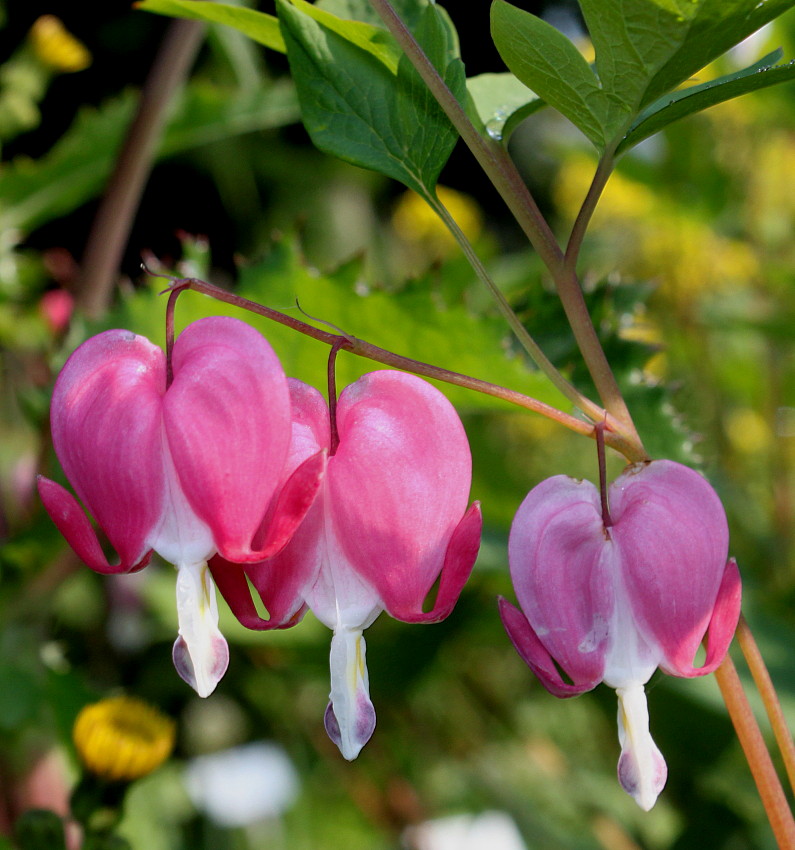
point(56, 46)
point(414, 221)
point(123, 738)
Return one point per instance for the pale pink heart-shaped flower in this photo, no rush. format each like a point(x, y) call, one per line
point(390, 520)
point(612, 601)
point(185, 471)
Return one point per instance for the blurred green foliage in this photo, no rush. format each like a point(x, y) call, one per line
point(689, 275)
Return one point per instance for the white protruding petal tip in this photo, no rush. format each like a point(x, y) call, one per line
point(201, 654)
point(641, 768)
point(350, 716)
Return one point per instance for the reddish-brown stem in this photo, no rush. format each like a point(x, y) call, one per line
point(361, 348)
point(332, 395)
point(170, 307)
point(767, 782)
point(599, 434)
point(767, 691)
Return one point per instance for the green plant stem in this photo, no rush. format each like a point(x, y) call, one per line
point(767, 782)
point(592, 410)
point(500, 168)
point(111, 227)
point(361, 348)
point(602, 174)
point(490, 154)
point(767, 691)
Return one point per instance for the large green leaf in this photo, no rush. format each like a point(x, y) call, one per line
point(500, 102)
point(256, 25)
point(549, 64)
point(361, 109)
point(670, 108)
point(645, 48)
point(76, 169)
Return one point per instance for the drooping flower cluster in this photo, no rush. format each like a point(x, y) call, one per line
point(608, 594)
point(223, 463)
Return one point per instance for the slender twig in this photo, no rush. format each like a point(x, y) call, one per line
point(113, 221)
point(767, 691)
point(602, 174)
point(613, 436)
point(767, 782)
point(332, 395)
point(592, 410)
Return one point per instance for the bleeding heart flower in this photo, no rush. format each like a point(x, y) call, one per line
point(185, 470)
point(391, 518)
point(610, 596)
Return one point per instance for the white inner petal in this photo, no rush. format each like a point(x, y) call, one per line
point(201, 654)
point(641, 768)
point(350, 693)
point(180, 537)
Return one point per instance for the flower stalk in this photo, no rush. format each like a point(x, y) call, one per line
point(613, 432)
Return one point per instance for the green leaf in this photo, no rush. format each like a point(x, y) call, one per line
point(256, 25)
point(371, 38)
point(549, 64)
point(645, 48)
point(500, 103)
point(672, 107)
point(76, 169)
point(362, 110)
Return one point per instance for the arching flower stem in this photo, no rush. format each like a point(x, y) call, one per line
point(615, 435)
point(764, 685)
point(767, 782)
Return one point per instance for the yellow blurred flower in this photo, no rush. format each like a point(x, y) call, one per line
point(415, 222)
point(57, 47)
point(748, 431)
point(123, 738)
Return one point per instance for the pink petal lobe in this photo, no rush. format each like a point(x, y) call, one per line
point(460, 557)
point(293, 502)
point(563, 569)
point(106, 428)
point(721, 629)
point(227, 419)
point(535, 655)
point(672, 532)
point(398, 483)
point(72, 522)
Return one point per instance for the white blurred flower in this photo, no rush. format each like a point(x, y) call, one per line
point(494, 830)
point(242, 785)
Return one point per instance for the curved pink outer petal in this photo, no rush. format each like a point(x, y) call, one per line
point(720, 632)
point(106, 430)
point(672, 531)
point(227, 420)
point(562, 569)
point(536, 656)
point(398, 484)
point(281, 580)
point(72, 522)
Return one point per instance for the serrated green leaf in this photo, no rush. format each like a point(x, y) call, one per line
point(549, 64)
point(76, 169)
point(694, 99)
point(500, 103)
point(361, 110)
point(258, 26)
